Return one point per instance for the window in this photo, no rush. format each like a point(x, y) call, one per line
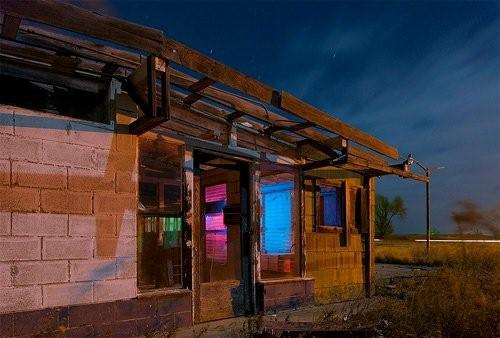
point(355, 208)
point(277, 218)
point(215, 229)
point(279, 233)
point(89, 104)
point(160, 215)
point(329, 209)
point(329, 206)
point(159, 246)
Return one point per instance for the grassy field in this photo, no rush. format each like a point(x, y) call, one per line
point(399, 251)
point(460, 298)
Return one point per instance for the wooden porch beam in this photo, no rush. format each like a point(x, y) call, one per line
point(72, 18)
point(384, 169)
point(121, 32)
point(295, 127)
point(195, 88)
point(234, 115)
point(324, 163)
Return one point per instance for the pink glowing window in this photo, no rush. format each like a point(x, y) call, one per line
point(215, 229)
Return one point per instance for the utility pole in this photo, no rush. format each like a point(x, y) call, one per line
point(428, 208)
point(410, 160)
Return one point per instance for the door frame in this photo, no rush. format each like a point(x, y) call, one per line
point(194, 218)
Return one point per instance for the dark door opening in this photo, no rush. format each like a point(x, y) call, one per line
point(225, 268)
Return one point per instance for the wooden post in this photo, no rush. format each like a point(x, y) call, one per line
point(369, 185)
point(191, 230)
point(301, 212)
point(254, 193)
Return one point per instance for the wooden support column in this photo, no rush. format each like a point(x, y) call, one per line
point(191, 231)
point(302, 223)
point(254, 181)
point(369, 233)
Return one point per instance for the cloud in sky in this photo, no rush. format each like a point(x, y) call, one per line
point(422, 76)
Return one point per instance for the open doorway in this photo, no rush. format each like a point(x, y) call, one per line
point(225, 273)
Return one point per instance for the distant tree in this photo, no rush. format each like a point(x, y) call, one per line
point(471, 218)
point(385, 212)
point(435, 232)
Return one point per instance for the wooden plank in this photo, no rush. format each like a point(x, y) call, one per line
point(72, 18)
point(234, 115)
point(351, 150)
point(131, 35)
point(384, 169)
point(295, 127)
point(187, 57)
point(244, 107)
point(206, 66)
point(49, 75)
point(109, 68)
point(10, 26)
point(67, 64)
point(144, 124)
point(38, 37)
point(195, 88)
point(201, 84)
point(310, 113)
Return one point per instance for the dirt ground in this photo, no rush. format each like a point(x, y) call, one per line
point(295, 319)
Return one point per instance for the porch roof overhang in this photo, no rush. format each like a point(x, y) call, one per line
point(248, 116)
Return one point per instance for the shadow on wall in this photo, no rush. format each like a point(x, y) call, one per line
point(74, 167)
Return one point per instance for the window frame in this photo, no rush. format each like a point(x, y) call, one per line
point(292, 222)
point(317, 183)
point(111, 88)
point(161, 212)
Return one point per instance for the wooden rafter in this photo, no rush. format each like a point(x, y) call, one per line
point(153, 41)
point(295, 127)
point(195, 88)
point(378, 169)
point(67, 55)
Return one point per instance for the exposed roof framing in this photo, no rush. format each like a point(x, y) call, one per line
point(258, 117)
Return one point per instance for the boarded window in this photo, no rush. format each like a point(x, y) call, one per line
point(159, 248)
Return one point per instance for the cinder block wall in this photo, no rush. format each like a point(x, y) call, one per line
point(68, 199)
point(338, 270)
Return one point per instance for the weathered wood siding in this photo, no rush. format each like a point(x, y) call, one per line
point(339, 270)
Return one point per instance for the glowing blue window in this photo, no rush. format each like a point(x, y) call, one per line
point(276, 218)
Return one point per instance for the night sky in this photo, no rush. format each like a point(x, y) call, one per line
point(422, 76)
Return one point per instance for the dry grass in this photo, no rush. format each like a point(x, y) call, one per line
point(461, 298)
point(414, 253)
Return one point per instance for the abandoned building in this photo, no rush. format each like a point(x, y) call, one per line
point(145, 185)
